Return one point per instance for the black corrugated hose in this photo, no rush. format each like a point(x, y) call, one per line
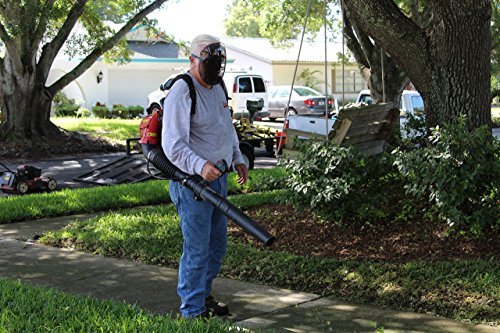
point(201, 189)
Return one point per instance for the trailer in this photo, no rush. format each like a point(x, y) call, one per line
point(256, 135)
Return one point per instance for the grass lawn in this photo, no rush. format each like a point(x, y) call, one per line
point(25, 308)
point(116, 130)
point(67, 202)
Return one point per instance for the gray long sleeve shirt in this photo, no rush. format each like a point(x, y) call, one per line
point(189, 141)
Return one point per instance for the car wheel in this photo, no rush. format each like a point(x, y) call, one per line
point(52, 184)
point(292, 112)
point(22, 187)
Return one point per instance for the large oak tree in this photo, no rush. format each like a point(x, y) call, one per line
point(33, 33)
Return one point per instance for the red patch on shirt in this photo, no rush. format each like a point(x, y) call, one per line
point(225, 105)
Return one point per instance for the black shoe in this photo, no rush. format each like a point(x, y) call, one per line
point(217, 308)
point(204, 315)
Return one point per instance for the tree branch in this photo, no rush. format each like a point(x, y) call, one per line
point(393, 31)
point(108, 45)
point(51, 49)
point(354, 45)
point(42, 25)
point(12, 49)
point(362, 39)
point(366, 44)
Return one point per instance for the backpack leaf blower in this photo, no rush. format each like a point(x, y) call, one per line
point(150, 139)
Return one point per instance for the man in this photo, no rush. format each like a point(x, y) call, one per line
point(195, 143)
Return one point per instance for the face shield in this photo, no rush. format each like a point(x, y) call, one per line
point(213, 63)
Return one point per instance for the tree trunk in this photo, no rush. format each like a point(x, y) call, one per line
point(25, 106)
point(459, 44)
point(449, 63)
point(394, 81)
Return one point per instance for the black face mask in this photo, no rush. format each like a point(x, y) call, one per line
point(213, 63)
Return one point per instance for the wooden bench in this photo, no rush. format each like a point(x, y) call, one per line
point(365, 127)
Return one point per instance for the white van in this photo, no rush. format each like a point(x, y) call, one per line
point(240, 87)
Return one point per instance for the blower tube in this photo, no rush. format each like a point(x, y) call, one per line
point(200, 189)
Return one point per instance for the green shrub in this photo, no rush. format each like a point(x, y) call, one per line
point(341, 182)
point(83, 113)
point(135, 111)
point(495, 121)
point(101, 111)
point(415, 133)
point(64, 106)
point(119, 111)
point(458, 172)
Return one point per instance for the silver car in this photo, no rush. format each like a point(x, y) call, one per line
point(304, 101)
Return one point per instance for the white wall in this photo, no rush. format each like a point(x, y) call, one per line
point(85, 86)
point(127, 84)
point(258, 66)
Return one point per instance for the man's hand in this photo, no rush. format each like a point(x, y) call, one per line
point(209, 172)
point(242, 173)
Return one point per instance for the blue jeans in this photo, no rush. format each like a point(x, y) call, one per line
point(204, 229)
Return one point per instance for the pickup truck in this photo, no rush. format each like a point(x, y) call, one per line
point(311, 124)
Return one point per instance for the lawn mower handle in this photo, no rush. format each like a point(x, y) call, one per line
point(201, 189)
point(9, 170)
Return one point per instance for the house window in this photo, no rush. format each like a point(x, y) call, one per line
point(350, 82)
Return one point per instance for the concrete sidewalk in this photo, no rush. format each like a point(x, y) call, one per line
point(154, 289)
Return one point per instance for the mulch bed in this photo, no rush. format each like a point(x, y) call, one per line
point(299, 232)
point(68, 144)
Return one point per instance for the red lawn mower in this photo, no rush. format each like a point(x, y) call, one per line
point(26, 178)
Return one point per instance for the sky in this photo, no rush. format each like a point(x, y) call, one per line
point(186, 19)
